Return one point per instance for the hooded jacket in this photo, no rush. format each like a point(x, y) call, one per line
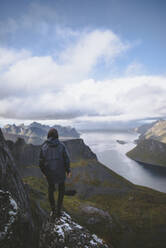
point(54, 160)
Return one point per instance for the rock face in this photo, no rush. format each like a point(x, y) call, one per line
point(156, 132)
point(27, 155)
point(64, 232)
point(35, 133)
point(15, 208)
point(144, 128)
point(79, 150)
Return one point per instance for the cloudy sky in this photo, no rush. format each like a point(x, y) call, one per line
point(91, 63)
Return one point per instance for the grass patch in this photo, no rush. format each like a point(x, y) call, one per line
point(137, 211)
point(39, 184)
point(81, 163)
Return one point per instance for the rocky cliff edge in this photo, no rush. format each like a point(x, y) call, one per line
point(23, 225)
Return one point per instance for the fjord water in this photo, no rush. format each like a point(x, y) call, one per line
point(112, 154)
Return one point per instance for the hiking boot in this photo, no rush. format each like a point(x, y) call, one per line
point(58, 213)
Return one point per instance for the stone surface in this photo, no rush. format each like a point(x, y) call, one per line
point(8, 216)
point(14, 192)
point(66, 233)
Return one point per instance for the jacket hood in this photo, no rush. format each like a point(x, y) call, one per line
point(51, 141)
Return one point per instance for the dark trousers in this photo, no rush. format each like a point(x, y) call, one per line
point(61, 191)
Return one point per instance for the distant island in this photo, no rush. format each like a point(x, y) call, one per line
point(122, 142)
point(36, 133)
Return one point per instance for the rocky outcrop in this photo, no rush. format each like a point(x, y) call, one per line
point(64, 232)
point(8, 218)
point(15, 208)
point(23, 222)
point(79, 150)
point(36, 133)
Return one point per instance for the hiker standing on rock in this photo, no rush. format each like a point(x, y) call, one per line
point(54, 162)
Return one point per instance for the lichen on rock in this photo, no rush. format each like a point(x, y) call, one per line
point(8, 214)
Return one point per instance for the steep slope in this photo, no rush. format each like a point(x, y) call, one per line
point(144, 128)
point(108, 205)
point(17, 227)
point(151, 146)
point(156, 132)
point(149, 151)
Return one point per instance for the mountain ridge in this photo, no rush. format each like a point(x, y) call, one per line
point(35, 133)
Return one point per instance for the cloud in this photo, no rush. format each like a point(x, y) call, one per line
point(25, 74)
point(60, 85)
point(8, 57)
point(89, 100)
point(119, 99)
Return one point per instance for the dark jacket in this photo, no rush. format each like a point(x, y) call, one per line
point(54, 160)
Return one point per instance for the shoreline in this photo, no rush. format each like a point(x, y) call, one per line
point(153, 166)
point(152, 175)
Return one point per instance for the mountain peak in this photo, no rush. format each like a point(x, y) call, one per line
point(35, 124)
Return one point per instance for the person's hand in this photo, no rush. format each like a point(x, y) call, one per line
point(69, 174)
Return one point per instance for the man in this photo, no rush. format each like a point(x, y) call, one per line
point(54, 162)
